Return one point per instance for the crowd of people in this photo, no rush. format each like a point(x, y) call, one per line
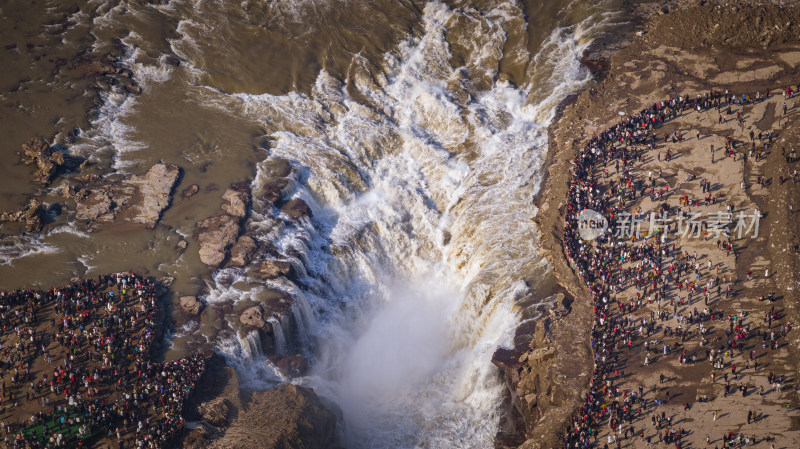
point(76, 366)
point(671, 283)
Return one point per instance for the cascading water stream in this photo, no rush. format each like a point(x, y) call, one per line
point(422, 233)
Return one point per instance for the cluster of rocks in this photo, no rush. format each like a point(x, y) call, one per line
point(287, 415)
point(218, 237)
point(140, 199)
point(222, 242)
point(101, 201)
point(275, 186)
point(30, 216)
point(109, 72)
point(46, 161)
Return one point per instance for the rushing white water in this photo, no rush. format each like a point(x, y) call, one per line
point(422, 232)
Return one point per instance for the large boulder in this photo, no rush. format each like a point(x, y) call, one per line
point(236, 199)
point(242, 251)
point(190, 304)
point(253, 316)
point(285, 417)
point(215, 236)
point(155, 192)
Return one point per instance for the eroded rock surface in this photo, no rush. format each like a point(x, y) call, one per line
point(190, 304)
point(242, 251)
point(253, 316)
point(37, 151)
point(236, 199)
point(154, 192)
point(285, 417)
point(30, 216)
point(94, 205)
point(215, 236)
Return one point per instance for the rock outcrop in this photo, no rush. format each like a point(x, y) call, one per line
point(273, 190)
point(190, 305)
point(545, 378)
point(154, 193)
point(217, 411)
point(253, 316)
point(93, 206)
point(38, 152)
point(236, 199)
point(215, 404)
point(275, 181)
point(140, 199)
point(242, 251)
point(296, 208)
point(217, 235)
point(285, 417)
point(109, 73)
point(30, 215)
point(293, 365)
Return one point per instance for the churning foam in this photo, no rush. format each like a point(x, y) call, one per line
point(15, 247)
point(422, 232)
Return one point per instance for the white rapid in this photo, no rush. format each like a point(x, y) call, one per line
point(422, 239)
